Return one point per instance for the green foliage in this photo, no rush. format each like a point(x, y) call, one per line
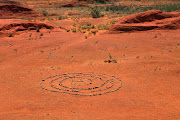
point(103, 27)
point(110, 57)
point(136, 9)
point(95, 13)
point(163, 7)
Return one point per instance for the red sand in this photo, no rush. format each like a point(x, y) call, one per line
point(148, 63)
point(153, 19)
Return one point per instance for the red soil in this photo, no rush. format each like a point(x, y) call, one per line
point(153, 19)
point(12, 11)
point(148, 63)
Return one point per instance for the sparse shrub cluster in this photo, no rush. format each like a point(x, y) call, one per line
point(64, 29)
point(110, 59)
point(136, 9)
point(163, 7)
point(103, 26)
point(95, 13)
point(86, 26)
point(73, 29)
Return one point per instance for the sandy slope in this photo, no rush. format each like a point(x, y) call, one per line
point(148, 65)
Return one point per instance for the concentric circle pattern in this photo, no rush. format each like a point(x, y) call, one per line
point(84, 84)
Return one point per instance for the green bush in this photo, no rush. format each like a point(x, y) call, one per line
point(95, 13)
point(10, 35)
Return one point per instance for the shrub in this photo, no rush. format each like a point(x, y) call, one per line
point(37, 29)
point(110, 57)
point(60, 18)
point(95, 13)
point(67, 30)
point(73, 29)
point(10, 35)
point(45, 13)
point(85, 36)
point(41, 34)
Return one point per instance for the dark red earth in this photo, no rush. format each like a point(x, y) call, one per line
point(153, 19)
point(15, 11)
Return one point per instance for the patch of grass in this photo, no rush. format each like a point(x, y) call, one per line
point(103, 27)
point(41, 51)
point(163, 7)
point(121, 9)
point(110, 57)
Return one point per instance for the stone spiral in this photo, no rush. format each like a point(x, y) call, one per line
point(84, 84)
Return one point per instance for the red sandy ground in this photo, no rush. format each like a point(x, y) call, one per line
point(148, 63)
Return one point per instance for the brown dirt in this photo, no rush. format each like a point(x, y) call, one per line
point(14, 11)
point(12, 26)
point(153, 19)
